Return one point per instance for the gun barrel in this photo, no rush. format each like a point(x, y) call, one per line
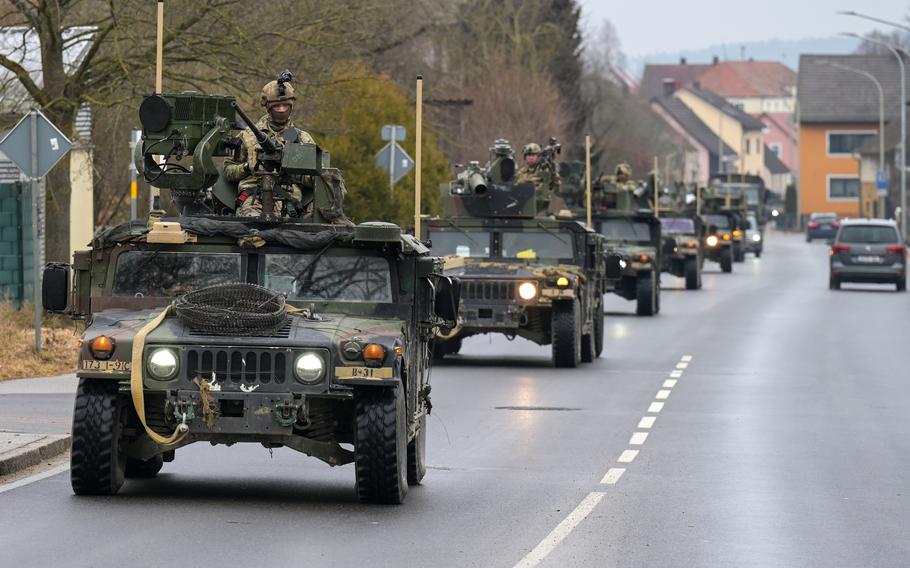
point(261, 138)
point(477, 184)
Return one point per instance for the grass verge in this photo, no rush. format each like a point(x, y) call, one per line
point(59, 344)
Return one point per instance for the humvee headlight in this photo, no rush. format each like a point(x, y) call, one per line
point(712, 241)
point(756, 237)
point(162, 364)
point(309, 368)
point(102, 347)
point(527, 290)
point(562, 281)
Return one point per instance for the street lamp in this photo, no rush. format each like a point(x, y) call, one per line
point(903, 102)
point(881, 118)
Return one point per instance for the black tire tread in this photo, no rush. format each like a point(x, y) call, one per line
point(96, 431)
point(376, 450)
point(645, 296)
point(565, 336)
point(693, 275)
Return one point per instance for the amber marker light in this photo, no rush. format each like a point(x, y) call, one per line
point(644, 258)
point(726, 236)
point(562, 281)
point(102, 347)
point(374, 353)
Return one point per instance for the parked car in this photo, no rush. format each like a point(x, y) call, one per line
point(868, 250)
point(821, 226)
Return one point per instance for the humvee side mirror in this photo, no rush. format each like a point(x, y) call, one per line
point(614, 267)
point(448, 298)
point(55, 286)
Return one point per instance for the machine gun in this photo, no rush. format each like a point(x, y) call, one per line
point(489, 190)
point(191, 130)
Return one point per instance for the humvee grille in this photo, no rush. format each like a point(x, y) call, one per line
point(250, 366)
point(487, 289)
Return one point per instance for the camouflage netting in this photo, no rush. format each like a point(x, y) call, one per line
point(233, 309)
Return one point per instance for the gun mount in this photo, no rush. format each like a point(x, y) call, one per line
point(489, 190)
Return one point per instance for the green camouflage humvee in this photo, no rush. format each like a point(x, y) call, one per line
point(291, 332)
point(540, 278)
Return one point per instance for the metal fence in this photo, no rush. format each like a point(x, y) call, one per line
point(16, 247)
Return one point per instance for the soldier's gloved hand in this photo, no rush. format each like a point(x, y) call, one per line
point(246, 168)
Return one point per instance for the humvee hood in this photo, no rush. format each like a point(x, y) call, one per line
point(516, 270)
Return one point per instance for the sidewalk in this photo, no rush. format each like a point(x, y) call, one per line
point(35, 419)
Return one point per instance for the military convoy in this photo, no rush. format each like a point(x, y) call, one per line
point(303, 332)
point(537, 277)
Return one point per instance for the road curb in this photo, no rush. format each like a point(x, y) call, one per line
point(21, 451)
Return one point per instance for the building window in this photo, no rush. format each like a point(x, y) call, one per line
point(776, 148)
point(845, 143)
point(748, 146)
point(843, 188)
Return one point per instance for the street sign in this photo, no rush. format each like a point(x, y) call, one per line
point(393, 132)
point(51, 145)
point(881, 182)
point(394, 160)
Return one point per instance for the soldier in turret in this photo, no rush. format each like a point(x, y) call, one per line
point(278, 99)
point(546, 180)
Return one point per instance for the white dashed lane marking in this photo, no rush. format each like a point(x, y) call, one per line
point(686, 358)
point(669, 383)
point(628, 456)
point(561, 531)
point(638, 438)
point(675, 374)
point(656, 407)
point(613, 475)
point(647, 421)
point(662, 395)
point(682, 365)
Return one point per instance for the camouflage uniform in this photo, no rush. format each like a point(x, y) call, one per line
point(240, 170)
point(547, 183)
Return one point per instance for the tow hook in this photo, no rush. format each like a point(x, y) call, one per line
point(184, 412)
point(286, 413)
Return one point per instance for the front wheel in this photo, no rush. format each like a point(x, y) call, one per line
point(646, 296)
point(726, 260)
point(599, 329)
point(833, 283)
point(693, 274)
point(565, 329)
point(901, 285)
point(97, 461)
point(380, 444)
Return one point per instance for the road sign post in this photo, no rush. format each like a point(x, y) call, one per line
point(35, 145)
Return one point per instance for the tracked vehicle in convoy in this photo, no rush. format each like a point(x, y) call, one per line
point(541, 278)
point(300, 331)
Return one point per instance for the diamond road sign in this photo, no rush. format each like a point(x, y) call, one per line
point(403, 162)
point(52, 144)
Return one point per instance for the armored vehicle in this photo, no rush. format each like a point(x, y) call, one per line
point(718, 239)
point(682, 254)
point(540, 278)
point(301, 332)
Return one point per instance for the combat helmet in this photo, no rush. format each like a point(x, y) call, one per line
point(278, 91)
point(624, 169)
point(532, 148)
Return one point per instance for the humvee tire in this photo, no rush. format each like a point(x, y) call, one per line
point(439, 350)
point(833, 283)
point(587, 347)
point(144, 469)
point(417, 454)
point(739, 253)
point(97, 465)
point(380, 444)
point(693, 274)
point(455, 345)
point(646, 296)
point(565, 329)
point(758, 254)
point(599, 328)
point(726, 260)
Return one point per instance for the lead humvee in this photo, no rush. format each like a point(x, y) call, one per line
point(301, 332)
point(522, 274)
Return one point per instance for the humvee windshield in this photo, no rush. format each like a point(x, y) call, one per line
point(537, 245)
point(719, 221)
point(165, 274)
point(677, 225)
point(626, 230)
point(468, 243)
point(329, 278)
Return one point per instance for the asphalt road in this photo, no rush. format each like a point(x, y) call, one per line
point(779, 440)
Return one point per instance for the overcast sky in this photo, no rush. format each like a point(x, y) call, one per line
point(657, 26)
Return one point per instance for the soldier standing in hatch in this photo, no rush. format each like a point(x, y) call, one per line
point(278, 99)
point(546, 180)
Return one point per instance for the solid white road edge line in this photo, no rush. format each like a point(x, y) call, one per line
point(33, 478)
point(628, 456)
point(656, 407)
point(562, 530)
point(669, 383)
point(647, 421)
point(613, 475)
point(638, 438)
